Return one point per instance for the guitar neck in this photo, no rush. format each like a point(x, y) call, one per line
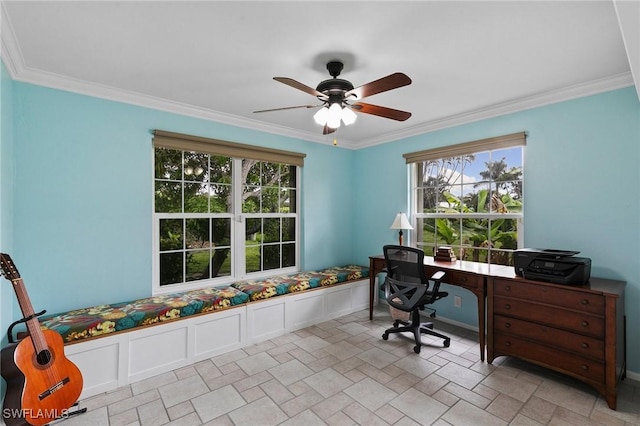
point(33, 325)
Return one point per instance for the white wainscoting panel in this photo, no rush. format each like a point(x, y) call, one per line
point(99, 362)
point(215, 334)
point(153, 351)
point(305, 309)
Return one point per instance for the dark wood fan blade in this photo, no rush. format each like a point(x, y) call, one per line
point(285, 108)
point(297, 85)
point(327, 130)
point(383, 84)
point(380, 111)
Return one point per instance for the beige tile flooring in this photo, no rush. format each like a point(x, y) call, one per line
point(341, 372)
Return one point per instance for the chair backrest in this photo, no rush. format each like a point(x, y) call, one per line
point(405, 263)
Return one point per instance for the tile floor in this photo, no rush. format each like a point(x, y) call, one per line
point(341, 372)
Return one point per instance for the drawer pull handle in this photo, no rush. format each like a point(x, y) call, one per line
point(507, 344)
point(507, 288)
point(507, 325)
point(507, 306)
point(584, 345)
point(584, 301)
point(585, 323)
point(585, 367)
point(464, 279)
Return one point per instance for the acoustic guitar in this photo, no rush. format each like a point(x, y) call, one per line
point(42, 384)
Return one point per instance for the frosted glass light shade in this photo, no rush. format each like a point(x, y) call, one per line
point(348, 116)
point(331, 116)
point(321, 116)
point(335, 113)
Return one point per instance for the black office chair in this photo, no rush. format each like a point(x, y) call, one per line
point(407, 288)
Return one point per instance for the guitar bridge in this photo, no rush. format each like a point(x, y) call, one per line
point(53, 388)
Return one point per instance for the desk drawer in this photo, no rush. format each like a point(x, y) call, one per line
point(572, 342)
point(550, 294)
point(465, 279)
point(579, 322)
point(549, 357)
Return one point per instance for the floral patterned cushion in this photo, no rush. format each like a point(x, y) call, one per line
point(283, 284)
point(344, 273)
point(104, 319)
point(269, 287)
point(99, 320)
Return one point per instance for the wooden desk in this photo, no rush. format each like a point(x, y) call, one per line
point(575, 330)
point(469, 275)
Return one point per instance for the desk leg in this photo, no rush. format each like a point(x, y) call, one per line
point(372, 284)
point(481, 320)
point(376, 265)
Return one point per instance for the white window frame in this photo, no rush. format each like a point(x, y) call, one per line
point(475, 147)
point(237, 237)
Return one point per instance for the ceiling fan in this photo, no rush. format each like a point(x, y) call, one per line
point(339, 99)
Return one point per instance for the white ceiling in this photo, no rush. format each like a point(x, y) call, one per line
point(215, 60)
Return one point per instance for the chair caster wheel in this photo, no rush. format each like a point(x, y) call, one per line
point(396, 323)
point(433, 315)
point(447, 343)
point(385, 336)
point(416, 349)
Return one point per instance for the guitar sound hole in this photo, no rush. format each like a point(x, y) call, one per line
point(43, 357)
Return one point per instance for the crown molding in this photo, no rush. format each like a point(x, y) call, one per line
point(14, 62)
point(628, 14)
point(56, 81)
point(564, 94)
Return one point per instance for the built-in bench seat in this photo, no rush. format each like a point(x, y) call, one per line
point(96, 321)
point(121, 343)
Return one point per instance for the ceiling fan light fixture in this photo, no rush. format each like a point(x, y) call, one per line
point(348, 116)
point(336, 93)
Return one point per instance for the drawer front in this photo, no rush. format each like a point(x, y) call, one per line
point(566, 340)
point(549, 357)
point(551, 294)
point(465, 279)
point(579, 322)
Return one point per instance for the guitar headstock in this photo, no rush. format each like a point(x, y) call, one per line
point(9, 270)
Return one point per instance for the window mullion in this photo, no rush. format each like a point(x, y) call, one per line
point(239, 220)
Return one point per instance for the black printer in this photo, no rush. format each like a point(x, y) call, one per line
point(556, 266)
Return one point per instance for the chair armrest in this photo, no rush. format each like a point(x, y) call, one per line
point(438, 276)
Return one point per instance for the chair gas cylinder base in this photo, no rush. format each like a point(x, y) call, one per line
point(417, 328)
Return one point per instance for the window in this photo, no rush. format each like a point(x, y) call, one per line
point(222, 211)
point(470, 197)
point(269, 207)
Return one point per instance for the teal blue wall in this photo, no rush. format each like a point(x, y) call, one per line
point(79, 223)
point(581, 190)
point(6, 199)
point(83, 210)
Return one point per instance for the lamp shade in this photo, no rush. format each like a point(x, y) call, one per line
point(401, 222)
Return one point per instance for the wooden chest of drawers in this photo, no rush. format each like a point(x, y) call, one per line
point(578, 331)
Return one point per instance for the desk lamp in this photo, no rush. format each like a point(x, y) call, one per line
point(401, 222)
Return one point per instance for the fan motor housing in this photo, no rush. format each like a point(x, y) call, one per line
point(334, 86)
